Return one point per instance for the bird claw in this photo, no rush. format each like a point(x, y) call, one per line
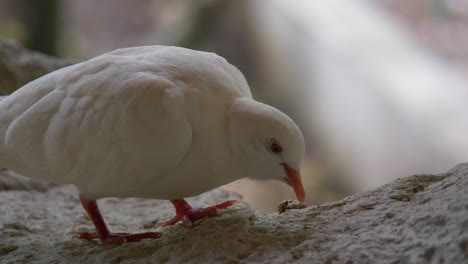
point(188, 216)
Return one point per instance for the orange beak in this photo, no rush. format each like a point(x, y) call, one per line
point(293, 178)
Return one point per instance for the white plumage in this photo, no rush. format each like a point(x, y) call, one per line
point(154, 122)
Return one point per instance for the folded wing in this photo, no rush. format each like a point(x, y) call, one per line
point(96, 124)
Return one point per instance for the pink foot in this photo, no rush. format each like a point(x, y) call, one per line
point(103, 233)
point(188, 215)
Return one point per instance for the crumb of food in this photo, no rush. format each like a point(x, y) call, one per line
point(288, 205)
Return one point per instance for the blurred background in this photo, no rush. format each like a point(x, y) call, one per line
point(379, 87)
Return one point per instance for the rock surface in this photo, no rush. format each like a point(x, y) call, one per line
point(417, 219)
point(19, 66)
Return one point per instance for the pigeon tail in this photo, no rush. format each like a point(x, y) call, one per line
point(1, 164)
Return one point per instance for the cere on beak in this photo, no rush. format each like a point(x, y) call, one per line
point(293, 178)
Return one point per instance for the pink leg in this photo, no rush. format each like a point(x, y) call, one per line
point(103, 233)
point(187, 214)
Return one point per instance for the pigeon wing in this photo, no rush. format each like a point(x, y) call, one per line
point(97, 125)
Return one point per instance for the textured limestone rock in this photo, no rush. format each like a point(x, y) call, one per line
point(418, 219)
point(19, 66)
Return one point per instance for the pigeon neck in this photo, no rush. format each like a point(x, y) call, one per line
point(244, 118)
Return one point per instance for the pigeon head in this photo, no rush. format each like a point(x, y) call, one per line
point(266, 144)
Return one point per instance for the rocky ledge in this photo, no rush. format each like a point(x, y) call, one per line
point(417, 219)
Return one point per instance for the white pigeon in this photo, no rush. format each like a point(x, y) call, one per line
point(153, 122)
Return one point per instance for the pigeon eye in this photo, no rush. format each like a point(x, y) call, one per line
point(276, 148)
